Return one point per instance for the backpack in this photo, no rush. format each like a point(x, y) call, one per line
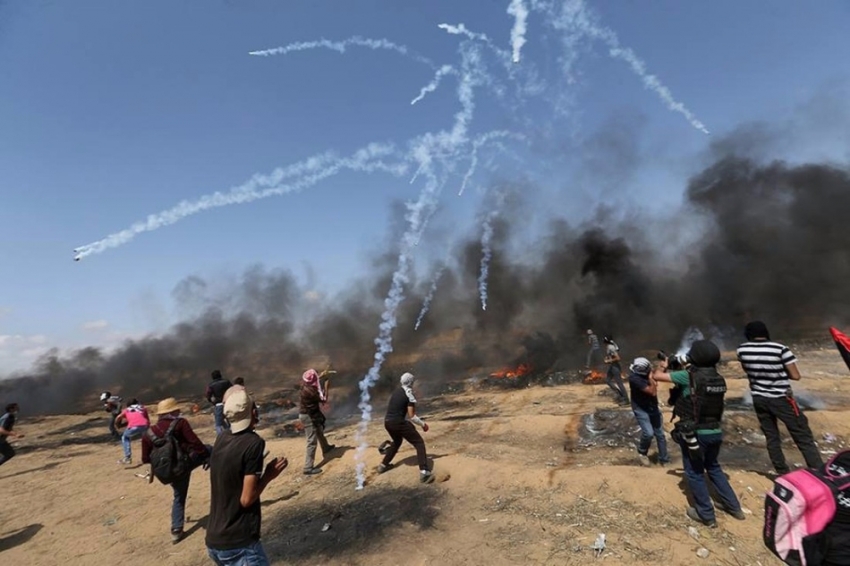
point(807, 515)
point(169, 462)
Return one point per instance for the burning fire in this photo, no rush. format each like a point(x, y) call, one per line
point(518, 371)
point(593, 376)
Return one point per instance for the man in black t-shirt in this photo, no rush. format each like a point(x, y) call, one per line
point(399, 421)
point(236, 481)
point(215, 395)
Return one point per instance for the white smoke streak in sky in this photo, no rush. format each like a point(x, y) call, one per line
point(486, 250)
point(305, 173)
point(342, 46)
point(476, 145)
point(519, 11)
point(435, 82)
point(575, 20)
point(432, 150)
point(426, 304)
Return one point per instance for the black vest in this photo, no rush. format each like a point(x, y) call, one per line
point(704, 406)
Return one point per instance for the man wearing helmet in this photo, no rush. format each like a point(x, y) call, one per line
point(112, 404)
point(644, 390)
point(700, 410)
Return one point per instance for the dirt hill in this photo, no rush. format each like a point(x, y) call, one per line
point(528, 475)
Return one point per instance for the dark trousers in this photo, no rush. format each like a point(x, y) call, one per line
point(405, 431)
point(768, 411)
point(614, 380)
point(6, 452)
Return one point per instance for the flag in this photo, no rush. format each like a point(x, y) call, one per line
point(842, 342)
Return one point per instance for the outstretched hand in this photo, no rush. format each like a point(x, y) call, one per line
point(275, 467)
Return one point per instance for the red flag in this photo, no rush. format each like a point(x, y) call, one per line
point(842, 342)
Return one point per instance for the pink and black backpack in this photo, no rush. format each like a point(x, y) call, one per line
point(807, 515)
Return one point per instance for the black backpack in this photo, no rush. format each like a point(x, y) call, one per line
point(168, 460)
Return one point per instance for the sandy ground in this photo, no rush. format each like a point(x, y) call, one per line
point(521, 480)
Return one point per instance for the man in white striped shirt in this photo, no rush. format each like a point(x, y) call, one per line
point(770, 367)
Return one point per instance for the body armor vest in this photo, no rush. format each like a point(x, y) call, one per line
point(704, 406)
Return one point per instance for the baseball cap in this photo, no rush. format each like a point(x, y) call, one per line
point(238, 409)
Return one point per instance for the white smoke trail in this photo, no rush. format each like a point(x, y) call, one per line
point(435, 82)
point(691, 335)
point(519, 11)
point(486, 254)
point(575, 20)
point(426, 304)
point(476, 145)
point(342, 46)
point(430, 150)
point(306, 173)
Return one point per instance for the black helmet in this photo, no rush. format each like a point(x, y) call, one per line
point(105, 395)
point(704, 354)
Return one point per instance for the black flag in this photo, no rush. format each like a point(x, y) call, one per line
point(842, 342)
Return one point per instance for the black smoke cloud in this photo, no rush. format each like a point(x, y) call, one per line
point(772, 244)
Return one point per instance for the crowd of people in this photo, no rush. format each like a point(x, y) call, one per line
point(239, 472)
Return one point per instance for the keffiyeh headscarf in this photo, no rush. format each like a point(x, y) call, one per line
point(407, 380)
point(311, 378)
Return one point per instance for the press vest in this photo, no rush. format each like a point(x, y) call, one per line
point(704, 405)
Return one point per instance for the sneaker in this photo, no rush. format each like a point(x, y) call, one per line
point(384, 468)
point(329, 449)
point(738, 514)
point(176, 536)
point(644, 460)
point(312, 471)
point(692, 514)
point(663, 463)
point(426, 477)
point(125, 461)
point(385, 446)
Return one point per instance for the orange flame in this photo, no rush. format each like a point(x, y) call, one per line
point(518, 371)
point(593, 376)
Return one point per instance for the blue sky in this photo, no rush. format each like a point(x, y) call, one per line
point(111, 111)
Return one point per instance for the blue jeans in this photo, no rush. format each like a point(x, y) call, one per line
point(251, 555)
point(131, 434)
point(221, 423)
point(695, 472)
point(178, 506)
point(651, 426)
point(180, 487)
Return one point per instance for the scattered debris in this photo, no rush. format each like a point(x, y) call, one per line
point(599, 545)
point(693, 532)
point(326, 527)
point(703, 552)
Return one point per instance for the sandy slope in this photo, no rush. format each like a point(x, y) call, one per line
point(517, 485)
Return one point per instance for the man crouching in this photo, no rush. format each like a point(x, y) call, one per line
point(236, 480)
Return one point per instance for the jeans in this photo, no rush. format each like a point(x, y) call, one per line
point(593, 356)
point(112, 430)
point(131, 434)
point(315, 435)
point(614, 380)
point(768, 410)
point(180, 487)
point(251, 555)
point(405, 431)
point(221, 423)
point(6, 452)
point(695, 473)
point(651, 426)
